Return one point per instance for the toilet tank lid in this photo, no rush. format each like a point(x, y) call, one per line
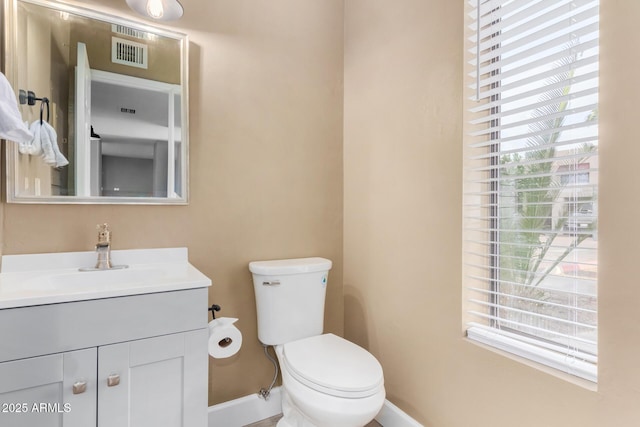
point(290, 266)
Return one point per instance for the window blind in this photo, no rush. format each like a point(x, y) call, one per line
point(531, 180)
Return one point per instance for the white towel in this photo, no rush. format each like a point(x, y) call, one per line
point(45, 143)
point(12, 127)
point(34, 145)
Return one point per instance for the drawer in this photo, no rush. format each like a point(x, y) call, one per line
point(54, 328)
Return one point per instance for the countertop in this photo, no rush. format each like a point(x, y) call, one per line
point(37, 279)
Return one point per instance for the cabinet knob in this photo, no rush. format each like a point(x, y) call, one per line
point(113, 380)
point(79, 387)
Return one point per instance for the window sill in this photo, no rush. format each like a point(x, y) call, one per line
point(561, 363)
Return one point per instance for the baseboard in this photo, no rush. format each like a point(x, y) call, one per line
point(245, 410)
point(392, 416)
point(251, 409)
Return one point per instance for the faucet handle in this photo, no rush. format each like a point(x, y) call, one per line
point(104, 235)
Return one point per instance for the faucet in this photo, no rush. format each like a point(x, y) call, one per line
point(103, 247)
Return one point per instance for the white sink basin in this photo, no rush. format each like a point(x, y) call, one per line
point(135, 276)
point(149, 270)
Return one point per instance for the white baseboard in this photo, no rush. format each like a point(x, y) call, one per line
point(392, 416)
point(245, 410)
point(251, 409)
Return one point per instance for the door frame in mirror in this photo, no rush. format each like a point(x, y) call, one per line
point(10, 35)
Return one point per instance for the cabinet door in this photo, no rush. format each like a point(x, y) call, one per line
point(54, 390)
point(159, 381)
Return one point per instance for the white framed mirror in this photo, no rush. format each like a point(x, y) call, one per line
point(117, 97)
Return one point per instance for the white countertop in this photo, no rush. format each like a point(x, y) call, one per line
point(38, 279)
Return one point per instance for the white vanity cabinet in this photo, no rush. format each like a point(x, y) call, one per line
point(53, 390)
point(130, 361)
point(153, 382)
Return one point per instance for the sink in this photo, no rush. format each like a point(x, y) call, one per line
point(108, 277)
point(150, 270)
point(133, 276)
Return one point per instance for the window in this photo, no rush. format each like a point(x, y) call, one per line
point(574, 174)
point(531, 180)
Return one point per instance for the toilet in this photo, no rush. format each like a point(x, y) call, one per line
point(327, 381)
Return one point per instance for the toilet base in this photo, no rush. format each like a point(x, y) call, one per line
point(292, 417)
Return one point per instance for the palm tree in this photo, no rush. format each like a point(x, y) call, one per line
point(532, 212)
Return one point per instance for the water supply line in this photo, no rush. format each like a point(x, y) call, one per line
point(264, 393)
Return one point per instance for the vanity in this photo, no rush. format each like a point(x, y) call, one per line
point(124, 347)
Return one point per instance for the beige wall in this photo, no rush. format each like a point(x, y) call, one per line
point(402, 252)
point(266, 166)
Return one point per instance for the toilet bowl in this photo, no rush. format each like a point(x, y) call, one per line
point(327, 381)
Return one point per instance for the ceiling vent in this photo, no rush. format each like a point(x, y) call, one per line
point(123, 30)
point(129, 53)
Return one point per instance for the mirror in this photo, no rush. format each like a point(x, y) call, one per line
point(116, 96)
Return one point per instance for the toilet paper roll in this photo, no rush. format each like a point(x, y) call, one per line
point(224, 338)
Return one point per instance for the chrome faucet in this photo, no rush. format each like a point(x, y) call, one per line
point(103, 247)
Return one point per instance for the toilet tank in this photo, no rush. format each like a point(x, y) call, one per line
point(290, 297)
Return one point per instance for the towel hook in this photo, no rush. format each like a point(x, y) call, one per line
point(29, 97)
point(44, 100)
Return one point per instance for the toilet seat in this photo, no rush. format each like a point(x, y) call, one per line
point(334, 366)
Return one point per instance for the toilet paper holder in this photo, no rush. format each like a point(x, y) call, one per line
point(213, 309)
point(225, 341)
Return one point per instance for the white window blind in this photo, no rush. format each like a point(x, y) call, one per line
point(531, 180)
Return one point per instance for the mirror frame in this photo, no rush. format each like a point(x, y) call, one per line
point(10, 71)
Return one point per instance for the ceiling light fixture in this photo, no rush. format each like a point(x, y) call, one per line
point(159, 10)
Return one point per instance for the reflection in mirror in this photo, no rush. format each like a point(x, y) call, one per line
point(117, 101)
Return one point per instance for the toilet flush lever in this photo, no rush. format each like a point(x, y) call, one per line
point(271, 283)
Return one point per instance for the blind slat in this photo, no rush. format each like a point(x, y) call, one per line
point(504, 113)
point(497, 16)
point(526, 149)
point(549, 131)
point(536, 301)
point(537, 91)
point(576, 187)
point(546, 345)
point(539, 76)
point(524, 63)
point(521, 16)
point(516, 324)
point(489, 242)
point(586, 281)
point(562, 160)
point(567, 294)
point(543, 175)
point(536, 119)
point(493, 10)
point(572, 266)
point(562, 34)
point(534, 315)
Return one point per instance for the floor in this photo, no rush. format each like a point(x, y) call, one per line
point(271, 422)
